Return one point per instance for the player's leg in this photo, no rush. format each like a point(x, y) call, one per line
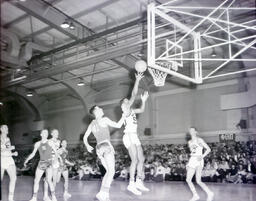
point(60, 172)
point(190, 174)
point(11, 170)
point(46, 196)
point(108, 161)
point(2, 172)
point(65, 176)
point(49, 171)
point(140, 165)
point(201, 184)
point(38, 174)
point(132, 150)
point(55, 175)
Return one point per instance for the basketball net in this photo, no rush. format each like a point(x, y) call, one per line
point(160, 76)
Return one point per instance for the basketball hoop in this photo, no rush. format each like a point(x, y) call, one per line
point(160, 76)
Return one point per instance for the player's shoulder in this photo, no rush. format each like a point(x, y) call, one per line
point(37, 144)
point(200, 139)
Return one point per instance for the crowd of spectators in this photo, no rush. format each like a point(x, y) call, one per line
point(230, 162)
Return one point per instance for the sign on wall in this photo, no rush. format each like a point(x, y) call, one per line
point(227, 137)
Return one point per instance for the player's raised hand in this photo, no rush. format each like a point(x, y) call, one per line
point(15, 153)
point(139, 76)
point(25, 164)
point(144, 96)
point(89, 148)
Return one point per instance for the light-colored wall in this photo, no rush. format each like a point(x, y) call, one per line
point(169, 113)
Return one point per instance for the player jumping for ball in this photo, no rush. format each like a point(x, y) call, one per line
point(131, 140)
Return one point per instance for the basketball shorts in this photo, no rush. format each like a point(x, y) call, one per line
point(131, 139)
point(63, 168)
point(194, 163)
point(6, 162)
point(55, 163)
point(44, 164)
point(103, 148)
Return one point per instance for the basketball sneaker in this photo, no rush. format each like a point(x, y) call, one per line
point(46, 198)
point(139, 185)
point(132, 188)
point(54, 198)
point(66, 194)
point(195, 197)
point(210, 196)
point(33, 199)
point(101, 196)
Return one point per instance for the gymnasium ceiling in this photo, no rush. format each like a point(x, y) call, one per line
point(103, 34)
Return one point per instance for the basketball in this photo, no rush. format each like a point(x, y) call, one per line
point(141, 66)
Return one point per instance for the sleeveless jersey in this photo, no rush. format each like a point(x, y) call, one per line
point(56, 144)
point(64, 154)
point(196, 148)
point(100, 133)
point(45, 151)
point(6, 143)
point(131, 123)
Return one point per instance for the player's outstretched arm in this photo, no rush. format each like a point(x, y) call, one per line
point(37, 144)
point(7, 154)
point(115, 124)
point(86, 135)
point(138, 76)
point(144, 98)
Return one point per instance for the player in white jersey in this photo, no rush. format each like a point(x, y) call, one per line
point(196, 163)
point(7, 162)
point(55, 162)
point(131, 140)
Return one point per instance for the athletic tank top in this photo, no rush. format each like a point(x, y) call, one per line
point(45, 151)
point(56, 145)
point(63, 155)
point(196, 148)
point(131, 123)
point(5, 143)
point(100, 133)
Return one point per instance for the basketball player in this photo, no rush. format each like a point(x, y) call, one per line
point(45, 148)
point(55, 162)
point(7, 162)
point(196, 163)
point(63, 169)
point(105, 151)
point(131, 140)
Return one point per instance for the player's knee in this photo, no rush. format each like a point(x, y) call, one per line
point(142, 159)
point(134, 160)
point(111, 172)
point(14, 177)
point(49, 180)
point(188, 180)
point(199, 181)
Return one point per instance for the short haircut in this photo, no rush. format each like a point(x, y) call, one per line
point(91, 111)
point(193, 128)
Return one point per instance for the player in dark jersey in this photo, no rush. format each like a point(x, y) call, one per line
point(105, 151)
point(45, 149)
point(196, 163)
point(7, 162)
point(63, 169)
point(54, 140)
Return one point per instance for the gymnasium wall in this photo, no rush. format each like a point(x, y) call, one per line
point(168, 115)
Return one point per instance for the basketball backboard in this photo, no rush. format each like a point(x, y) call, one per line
point(198, 43)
